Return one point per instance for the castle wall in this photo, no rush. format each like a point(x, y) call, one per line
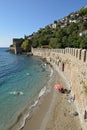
point(16, 47)
point(13, 50)
point(71, 63)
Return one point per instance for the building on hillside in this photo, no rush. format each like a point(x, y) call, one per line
point(85, 18)
point(64, 25)
point(54, 25)
point(72, 21)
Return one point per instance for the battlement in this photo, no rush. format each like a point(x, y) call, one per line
point(80, 54)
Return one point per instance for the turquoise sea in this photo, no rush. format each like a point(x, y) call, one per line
point(22, 81)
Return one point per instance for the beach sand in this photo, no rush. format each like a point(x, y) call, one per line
point(54, 112)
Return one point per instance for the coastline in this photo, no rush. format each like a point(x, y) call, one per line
point(53, 112)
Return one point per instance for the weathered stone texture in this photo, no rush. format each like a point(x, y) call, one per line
point(16, 46)
point(71, 63)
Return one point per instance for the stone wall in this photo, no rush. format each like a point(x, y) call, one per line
point(71, 63)
point(12, 49)
point(16, 46)
point(15, 50)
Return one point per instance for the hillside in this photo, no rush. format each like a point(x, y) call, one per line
point(70, 31)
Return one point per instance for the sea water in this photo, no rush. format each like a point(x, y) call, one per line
point(22, 81)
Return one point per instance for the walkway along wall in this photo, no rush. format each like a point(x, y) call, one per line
point(71, 63)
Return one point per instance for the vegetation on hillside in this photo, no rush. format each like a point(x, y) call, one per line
point(70, 31)
point(26, 45)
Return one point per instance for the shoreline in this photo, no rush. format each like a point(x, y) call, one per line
point(53, 112)
point(41, 107)
point(28, 111)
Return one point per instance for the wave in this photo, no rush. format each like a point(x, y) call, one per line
point(27, 113)
point(51, 72)
point(44, 65)
point(42, 92)
point(27, 74)
point(16, 93)
point(24, 121)
point(34, 104)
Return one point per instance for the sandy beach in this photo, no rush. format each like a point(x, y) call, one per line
point(54, 112)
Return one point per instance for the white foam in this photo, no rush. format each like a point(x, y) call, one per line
point(44, 65)
point(27, 115)
point(24, 120)
point(21, 93)
point(35, 103)
point(51, 72)
point(13, 92)
point(43, 90)
point(27, 74)
point(22, 124)
point(16, 93)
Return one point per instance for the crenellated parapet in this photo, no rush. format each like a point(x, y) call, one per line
point(80, 54)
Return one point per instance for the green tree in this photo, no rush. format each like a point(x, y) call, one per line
point(26, 46)
point(43, 41)
point(35, 42)
point(83, 41)
point(83, 12)
point(53, 43)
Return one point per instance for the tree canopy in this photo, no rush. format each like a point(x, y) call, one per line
point(26, 45)
point(66, 33)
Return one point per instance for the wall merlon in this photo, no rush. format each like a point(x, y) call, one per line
point(83, 55)
point(76, 53)
point(66, 50)
point(69, 50)
point(80, 54)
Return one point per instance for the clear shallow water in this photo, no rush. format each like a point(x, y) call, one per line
point(21, 80)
